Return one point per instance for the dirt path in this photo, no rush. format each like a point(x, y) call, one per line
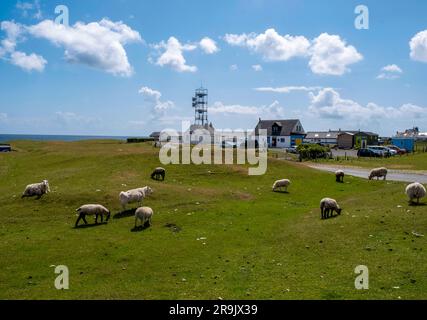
point(394, 175)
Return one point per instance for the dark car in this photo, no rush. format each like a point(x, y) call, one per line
point(367, 153)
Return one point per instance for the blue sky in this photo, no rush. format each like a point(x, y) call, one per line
point(129, 67)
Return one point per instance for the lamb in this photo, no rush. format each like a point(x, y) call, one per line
point(378, 172)
point(339, 176)
point(144, 214)
point(36, 189)
point(328, 206)
point(415, 191)
point(157, 173)
point(279, 184)
point(92, 209)
point(134, 195)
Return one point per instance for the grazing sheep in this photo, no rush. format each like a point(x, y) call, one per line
point(134, 195)
point(157, 173)
point(339, 176)
point(279, 184)
point(144, 214)
point(328, 206)
point(36, 189)
point(415, 191)
point(92, 209)
point(378, 172)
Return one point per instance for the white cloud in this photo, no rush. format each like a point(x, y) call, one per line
point(97, 44)
point(208, 45)
point(150, 94)
point(173, 55)
point(392, 68)
point(329, 104)
point(271, 45)
point(234, 67)
point(257, 67)
point(287, 89)
point(28, 62)
point(30, 9)
point(330, 55)
point(219, 108)
point(3, 117)
point(13, 33)
point(153, 97)
point(390, 72)
point(418, 46)
point(272, 110)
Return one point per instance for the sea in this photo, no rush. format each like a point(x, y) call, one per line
point(36, 137)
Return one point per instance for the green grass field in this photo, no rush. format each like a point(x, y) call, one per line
point(216, 232)
point(417, 161)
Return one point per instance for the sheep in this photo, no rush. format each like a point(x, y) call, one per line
point(279, 184)
point(378, 172)
point(134, 195)
point(157, 173)
point(36, 189)
point(339, 176)
point(328, 206)
point(92, 209)
point(415, 191)
point(144, 214)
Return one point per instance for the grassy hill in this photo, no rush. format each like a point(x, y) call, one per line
point(216, 232)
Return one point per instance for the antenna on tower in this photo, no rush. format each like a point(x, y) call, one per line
point(200, 105)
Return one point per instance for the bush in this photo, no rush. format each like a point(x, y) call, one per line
point(313, 151)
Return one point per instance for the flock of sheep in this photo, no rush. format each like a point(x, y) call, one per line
point(327, 205)
point(144, 214)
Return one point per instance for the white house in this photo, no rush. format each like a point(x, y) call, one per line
point(282, 133)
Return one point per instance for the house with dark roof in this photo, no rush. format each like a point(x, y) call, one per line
point(155, 135)
point(282, 133)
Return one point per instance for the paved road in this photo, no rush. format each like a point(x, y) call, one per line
point(393, 175)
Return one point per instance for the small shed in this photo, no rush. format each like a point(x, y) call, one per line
point(404, 143)
point(345, 140)
point(5, 148)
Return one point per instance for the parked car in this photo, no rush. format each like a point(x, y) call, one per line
point(397, 149)
point(368, 153)
point(292, 150)
point(382, 151)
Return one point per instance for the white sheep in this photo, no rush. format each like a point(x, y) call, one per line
point(134, 196)
point(415, 191)
point(328, 206)
point(36, 189)
point(378, 172)
point(92, 209)
point(144, 214)
point(339, 176)
point(279, 184)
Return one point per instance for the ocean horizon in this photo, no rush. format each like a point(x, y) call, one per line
point(46, 137)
